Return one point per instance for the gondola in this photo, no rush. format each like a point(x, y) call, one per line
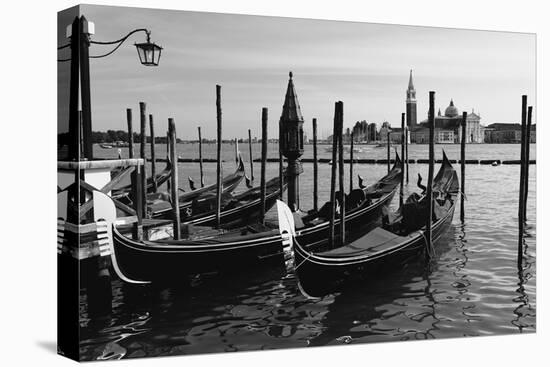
point(386, 247)
point(236, 210)
point(162, 208)
point(203, 251)
point(364, 206)
point(161, 178)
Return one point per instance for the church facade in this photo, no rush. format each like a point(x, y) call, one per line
point(450, 122)
point(447, 125)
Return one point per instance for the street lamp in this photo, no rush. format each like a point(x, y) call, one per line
point(148, 52)
point(79, 33)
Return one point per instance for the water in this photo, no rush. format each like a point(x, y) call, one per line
point(472, 286)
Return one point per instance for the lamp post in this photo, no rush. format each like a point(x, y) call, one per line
point(79, 33)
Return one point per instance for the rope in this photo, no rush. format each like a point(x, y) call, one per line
point(303, 261)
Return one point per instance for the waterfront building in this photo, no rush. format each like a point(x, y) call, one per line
point(384, 130)
point(451, 121)
point(395, 135)
point(500, 133)
point(421, 135)
point(447, 124)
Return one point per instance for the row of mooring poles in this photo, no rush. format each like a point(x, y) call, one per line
point(526, 120)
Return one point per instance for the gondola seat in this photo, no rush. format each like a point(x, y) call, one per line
point(375, 241)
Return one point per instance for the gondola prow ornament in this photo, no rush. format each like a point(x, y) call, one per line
point(291, 142)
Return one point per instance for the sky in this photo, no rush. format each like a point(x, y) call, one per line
point(362, 64)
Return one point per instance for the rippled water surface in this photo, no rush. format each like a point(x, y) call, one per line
point(471, 287)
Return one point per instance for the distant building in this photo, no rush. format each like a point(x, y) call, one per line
point(395, 135)
point(500, 133)
point(384, 130)
point(441, 136)
point(451, 121)
point(411, 104)
point(364, 132)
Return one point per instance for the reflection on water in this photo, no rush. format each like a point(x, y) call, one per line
point(471, 287)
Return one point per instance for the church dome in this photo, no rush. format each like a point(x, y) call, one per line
point(451, 111)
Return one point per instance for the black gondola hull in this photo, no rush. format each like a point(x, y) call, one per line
point(319, 279)
point(175, 264)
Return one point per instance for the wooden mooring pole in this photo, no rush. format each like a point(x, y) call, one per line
point(168, 186)
point(264, 160)
point(174, 179)
point(136, 195)
point(153, 157)
point(403, 143)
point(341, 175)
point(521, 211)
point(281, 174)
point(200, 157)
point(143, 142)
point(527, 154)
point(429, 192)
point(250, 155)
point(236, 151)
point(333, 174)
point(315, 168)
point(130, 133)
point(463, 164)
point(218, 156)
point(388, 150)
point(351, 163)
point(407, 151)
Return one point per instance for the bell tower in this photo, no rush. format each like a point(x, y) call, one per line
point(291, 142)
point(411, 103)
